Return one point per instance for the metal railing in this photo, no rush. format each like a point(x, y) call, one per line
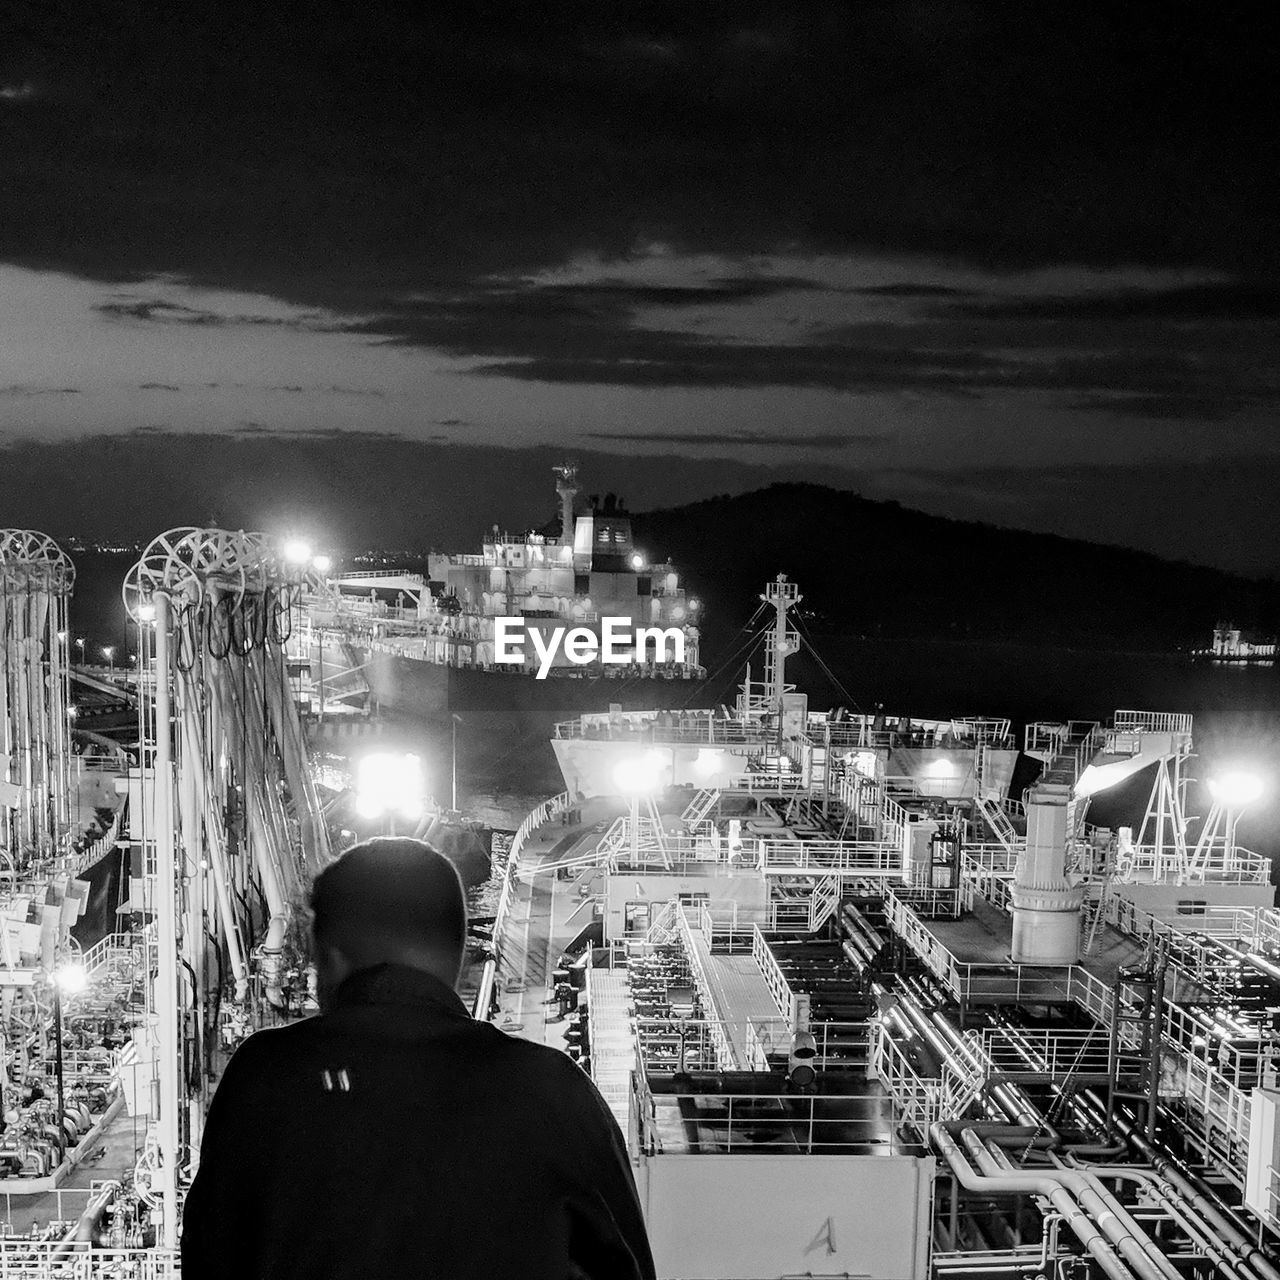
point(812, 1124)
point(1056, 1054)
point(779, 987)
point(548, 809)
point(833, 857)
point(1151, 722)
point(695, 729)
point(58, 1260)
point(113, 948)
point(102, 846)
point(917, 1098)
point(726, 1056)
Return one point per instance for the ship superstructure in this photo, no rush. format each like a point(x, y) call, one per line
point(405, 635)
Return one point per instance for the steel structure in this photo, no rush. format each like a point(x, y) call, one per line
point(36, 580)
point(230, 825)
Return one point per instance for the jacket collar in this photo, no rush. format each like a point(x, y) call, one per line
point(398, 984)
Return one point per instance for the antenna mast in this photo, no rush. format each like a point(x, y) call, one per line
point(763, 698)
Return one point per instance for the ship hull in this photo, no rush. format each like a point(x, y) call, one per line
point(408, 687)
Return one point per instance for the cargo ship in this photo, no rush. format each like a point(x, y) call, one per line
point(425, 646)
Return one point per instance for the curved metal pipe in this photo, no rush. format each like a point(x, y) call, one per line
point(1032, 1184)
point(1201, 1196)
point(1132, 1243)
point(1120, 1225)
point(1184, 1214)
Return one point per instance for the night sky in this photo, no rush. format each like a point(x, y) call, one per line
point(1016, 262)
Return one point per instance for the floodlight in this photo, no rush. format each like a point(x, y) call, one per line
point(296, 551)
point(388, 783)
point(638, 775)
point(1236, 789)
point(941, 769)
point(707, 762)
point(637, 561)
point(695, 605)
point(146, 613)
point(322, 564)
point(71, 978)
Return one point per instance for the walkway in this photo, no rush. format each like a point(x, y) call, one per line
point(738, 992)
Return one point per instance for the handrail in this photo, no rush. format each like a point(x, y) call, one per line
point(80, 1260)
point(813, 1123)
point(775, 980)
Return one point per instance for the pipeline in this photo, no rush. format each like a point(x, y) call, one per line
point(1200, 1195)
point(87, 1225)
point(1130, 1241)
point(1032, 1184)
point(1185, 1215)
point(1124, 1231)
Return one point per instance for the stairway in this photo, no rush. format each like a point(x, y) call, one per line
point(1093, 914)
point(698, 809)
point(998, 820)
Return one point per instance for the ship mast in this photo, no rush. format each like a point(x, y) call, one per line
point(567, 487)
point(759, 699)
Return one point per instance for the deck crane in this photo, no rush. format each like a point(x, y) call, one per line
point(227, 815)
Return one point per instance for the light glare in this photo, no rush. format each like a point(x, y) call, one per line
point(296, 551)
point(638, 775)
point(389, 783)
point(71, 978)
point(1235, 789)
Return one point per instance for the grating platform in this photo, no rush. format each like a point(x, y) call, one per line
point(739, 992)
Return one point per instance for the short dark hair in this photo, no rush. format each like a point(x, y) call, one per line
point(390, 890)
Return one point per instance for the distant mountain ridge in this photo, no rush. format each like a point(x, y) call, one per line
point(880, 569)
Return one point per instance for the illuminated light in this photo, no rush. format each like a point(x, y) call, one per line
point(678, 612)
point(73, 711)
point(707, 762)
point(637, 561)
point(71, 978)
point(296, 551)
point(863, 762)
point(322, 564)
point(146, 613)
point(62, 637)
point(695, 605)
point(639, 775)
point(108, 651)
point(389, 784)
point(1236, 789)
point(941, 769)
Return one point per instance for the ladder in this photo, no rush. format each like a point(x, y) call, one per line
point(699, 807)
point(1133, 1059)
point(1000, 823)
point(1092, 915)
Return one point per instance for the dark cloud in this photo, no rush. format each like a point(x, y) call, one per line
point(1184, 406)
point(914, 290)
point(739, 439)
point(160, 311)
point(158, 386)
point(1230, 300)
point(323, 159)
point(23, 392)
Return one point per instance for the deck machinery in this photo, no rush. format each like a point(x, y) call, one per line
point(864, 1013)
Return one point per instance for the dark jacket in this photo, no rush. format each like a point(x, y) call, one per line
point(397, 1137)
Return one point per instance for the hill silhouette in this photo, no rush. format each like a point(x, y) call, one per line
point(879, 569)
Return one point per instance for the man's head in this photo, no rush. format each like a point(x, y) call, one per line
point(390, 900)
